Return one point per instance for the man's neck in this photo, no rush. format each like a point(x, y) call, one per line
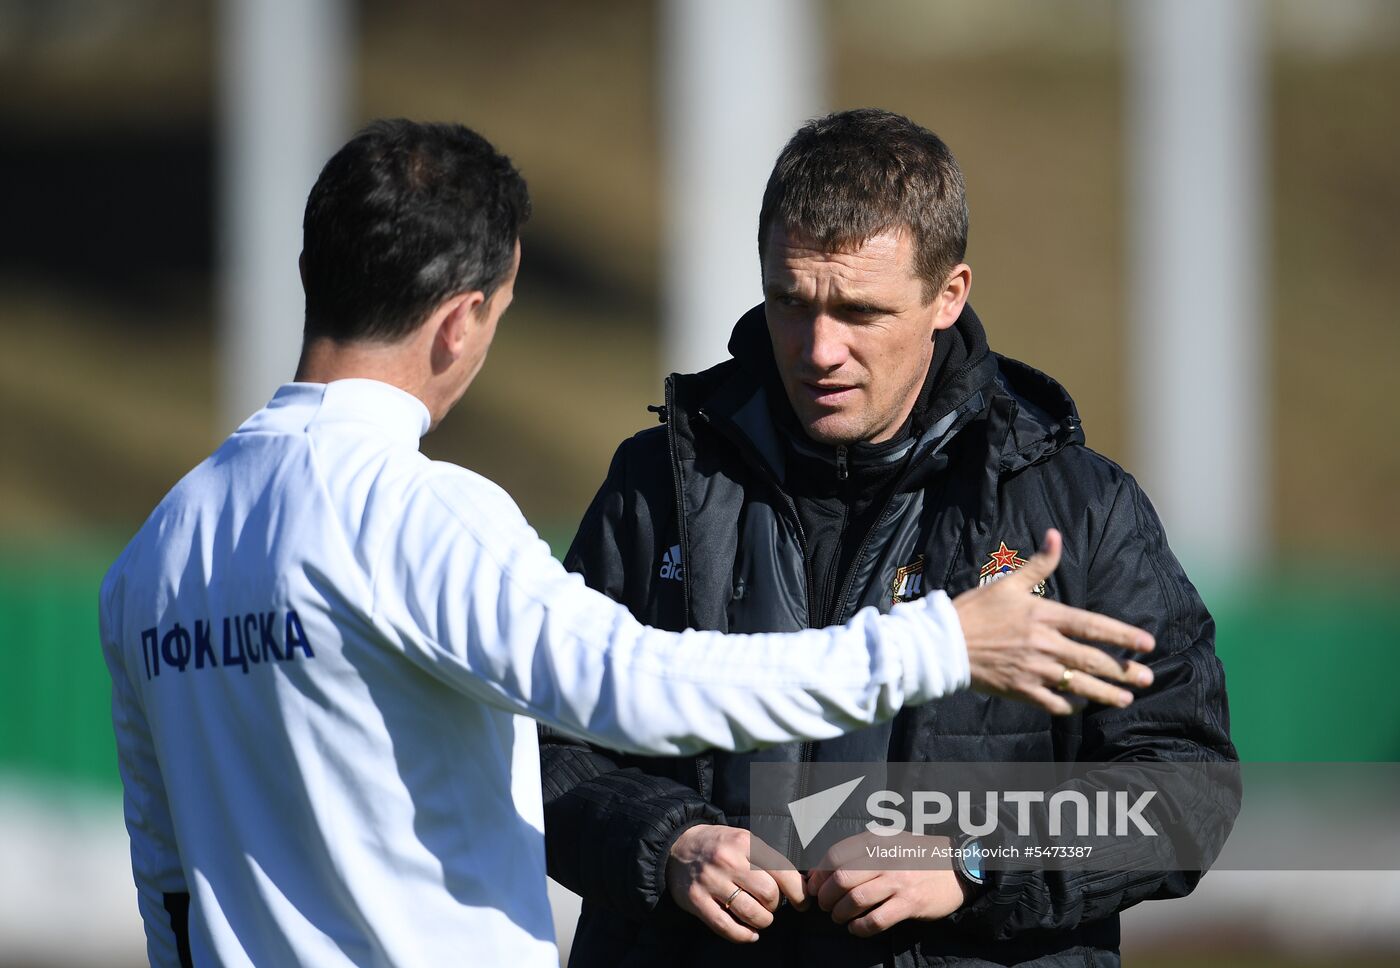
point(398, 364)
point(325, 361)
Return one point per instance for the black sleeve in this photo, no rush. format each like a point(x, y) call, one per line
point(1182, 717)
point(609, 829)
point(177, 905)
point(609, 826)
point(599, 545)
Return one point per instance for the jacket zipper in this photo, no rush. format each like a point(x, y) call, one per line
point(835, 578)
point(842, 471)
point(840, 610)
point(839, 604)
point(805, 754)
point(669, 415)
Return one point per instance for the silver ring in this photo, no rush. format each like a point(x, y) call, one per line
point(730, 899)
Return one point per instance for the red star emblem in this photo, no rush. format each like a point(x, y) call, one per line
point(1005, 557)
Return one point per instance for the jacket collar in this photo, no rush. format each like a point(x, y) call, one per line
point(296, 406)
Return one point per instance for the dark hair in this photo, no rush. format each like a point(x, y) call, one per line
point(401, 218)
point(851, 175)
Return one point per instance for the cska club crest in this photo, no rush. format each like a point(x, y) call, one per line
point(908, 582)
point(1003, 562)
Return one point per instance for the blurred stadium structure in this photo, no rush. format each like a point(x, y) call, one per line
point(131, 190)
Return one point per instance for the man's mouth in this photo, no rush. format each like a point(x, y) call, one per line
point(829, 394)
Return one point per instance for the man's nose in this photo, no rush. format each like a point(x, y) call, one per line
point(826, 345)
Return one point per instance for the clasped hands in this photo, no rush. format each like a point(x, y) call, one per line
point(733, 882)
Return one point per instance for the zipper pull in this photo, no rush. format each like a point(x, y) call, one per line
point(842, 471)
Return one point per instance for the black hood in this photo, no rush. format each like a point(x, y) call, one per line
point(1044, 418)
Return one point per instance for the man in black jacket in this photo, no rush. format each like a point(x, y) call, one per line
point(862, 446)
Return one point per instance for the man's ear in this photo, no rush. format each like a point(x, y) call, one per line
point(953, 296)
point(454, 326)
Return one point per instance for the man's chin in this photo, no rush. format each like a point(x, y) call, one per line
point(831, 429)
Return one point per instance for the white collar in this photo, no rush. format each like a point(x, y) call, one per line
point(374, 402)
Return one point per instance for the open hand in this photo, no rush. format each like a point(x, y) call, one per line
point(1018, 645)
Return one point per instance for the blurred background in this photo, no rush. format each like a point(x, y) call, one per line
point(1184, 211)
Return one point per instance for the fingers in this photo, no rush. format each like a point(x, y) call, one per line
point(1094, 627)
point(714, 917)
point(786, 878)
point(747, 909)
point(1054, 691)
point(1095, 690)
point(1043, 563)
point(839, 884)
point(790, 884)
point(861, 898)
point(709, 875)
point(760, 886)
point(1053, 703)
point(1067, 679)
point(733, 911)
point(884, 917)
point(832, 861)
point(1098, 663)
point(1073, 621)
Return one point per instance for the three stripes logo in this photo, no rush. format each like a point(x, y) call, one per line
point(672, 568)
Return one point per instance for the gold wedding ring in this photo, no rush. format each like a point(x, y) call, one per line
point(1066, 678)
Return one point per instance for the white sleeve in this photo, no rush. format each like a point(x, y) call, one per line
point(155, 860)
point(496, 615)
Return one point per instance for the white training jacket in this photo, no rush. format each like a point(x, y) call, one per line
point(327, 653)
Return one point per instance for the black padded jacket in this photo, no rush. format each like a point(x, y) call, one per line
point(696, 526)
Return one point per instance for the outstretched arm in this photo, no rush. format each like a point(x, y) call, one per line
point(481, 603)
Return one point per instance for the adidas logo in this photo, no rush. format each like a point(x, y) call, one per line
point(671, 567)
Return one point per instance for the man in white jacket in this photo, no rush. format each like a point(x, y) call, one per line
point(328, 651)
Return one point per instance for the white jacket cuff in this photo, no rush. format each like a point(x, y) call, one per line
point(935, 659)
